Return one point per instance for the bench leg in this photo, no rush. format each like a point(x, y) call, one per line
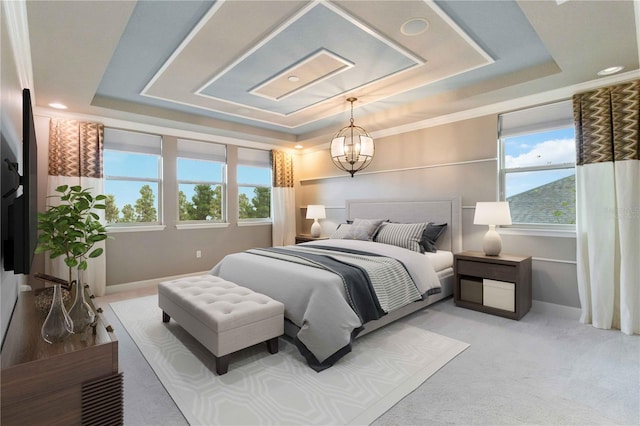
point(272, 345)
point(165, 317)
point(222, 364)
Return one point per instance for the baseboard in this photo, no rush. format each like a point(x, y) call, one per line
point(136, 285)
point(561, 310)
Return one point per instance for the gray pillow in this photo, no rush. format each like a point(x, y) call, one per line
point(342, 231)
point(405, 235)
point(431, 235)
point(363, 229)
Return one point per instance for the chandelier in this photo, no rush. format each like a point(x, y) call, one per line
point(352, 148)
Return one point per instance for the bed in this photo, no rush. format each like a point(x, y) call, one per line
point(319, 308)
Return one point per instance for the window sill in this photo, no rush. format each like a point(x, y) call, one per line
point(538, 232)
point(255, 223)
point(208, 225)
point(134, 228)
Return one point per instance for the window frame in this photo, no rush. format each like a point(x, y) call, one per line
point(199, 223)
point(140, 226)
point(242, 162)
point(540, 127)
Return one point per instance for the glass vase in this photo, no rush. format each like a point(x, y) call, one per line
point(58, 325)
point(81, 313)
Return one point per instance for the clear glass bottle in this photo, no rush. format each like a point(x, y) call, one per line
point(81, 313)
point(58, 325)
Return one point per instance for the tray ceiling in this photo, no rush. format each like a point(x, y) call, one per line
point(280, 71)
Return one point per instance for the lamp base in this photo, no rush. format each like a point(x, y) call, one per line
point(316, 229)
point(492, 243)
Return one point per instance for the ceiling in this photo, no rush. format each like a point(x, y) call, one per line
point(279, 72)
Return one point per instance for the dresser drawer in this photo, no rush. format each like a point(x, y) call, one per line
point(486, 270)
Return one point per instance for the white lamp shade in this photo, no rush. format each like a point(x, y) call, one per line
point(316, 211)
point(337, 147)
point(366, 146)
point(492, 213)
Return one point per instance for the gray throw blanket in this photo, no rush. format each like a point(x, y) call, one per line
point(382, 282)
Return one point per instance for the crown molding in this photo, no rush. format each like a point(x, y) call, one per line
point(510, 105)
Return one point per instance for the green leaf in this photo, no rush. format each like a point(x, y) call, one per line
point(41, 249)
point(82, 266)
point(62, 188)
point(96, 253)
point(96, 238)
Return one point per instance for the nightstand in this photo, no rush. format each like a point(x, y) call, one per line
point(498, 285)
point(305, 238)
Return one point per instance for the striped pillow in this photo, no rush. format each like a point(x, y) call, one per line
point(405, 235)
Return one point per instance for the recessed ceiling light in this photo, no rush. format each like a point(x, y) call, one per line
point(610, 70)
point(57, 105)
point(414, 26)
point(293, 78)
point(298, 146)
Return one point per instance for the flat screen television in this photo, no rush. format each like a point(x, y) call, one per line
point(22, 214)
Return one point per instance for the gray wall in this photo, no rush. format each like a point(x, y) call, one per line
point(146, 255)
point(453, 159)
point(11, 125)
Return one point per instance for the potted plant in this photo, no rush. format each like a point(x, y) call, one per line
point(71, 229)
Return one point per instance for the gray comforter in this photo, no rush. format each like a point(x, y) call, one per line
point(315, 299)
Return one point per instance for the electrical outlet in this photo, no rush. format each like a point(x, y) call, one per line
point(198, 254)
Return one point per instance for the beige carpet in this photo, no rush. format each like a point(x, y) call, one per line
point(280, 389)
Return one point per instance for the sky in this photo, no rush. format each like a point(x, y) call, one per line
point(538, 149)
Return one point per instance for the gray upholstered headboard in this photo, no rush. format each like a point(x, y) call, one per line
point(446, 210)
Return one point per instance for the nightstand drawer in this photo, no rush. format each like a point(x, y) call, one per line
point(498, 294)
point(486, 270)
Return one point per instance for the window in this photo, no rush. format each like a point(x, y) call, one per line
point(537, 157)
point(201, 172)
point(254, 184)
point(132, 177)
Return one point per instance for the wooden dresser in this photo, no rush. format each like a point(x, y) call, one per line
point(73, 382)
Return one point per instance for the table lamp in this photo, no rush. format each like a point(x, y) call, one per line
point(315, 212)
point(492, 214)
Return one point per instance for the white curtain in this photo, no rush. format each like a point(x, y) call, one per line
point(284, 214)
point(608, 206)
point(75, 158)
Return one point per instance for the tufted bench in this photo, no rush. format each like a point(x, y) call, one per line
point(221, 315)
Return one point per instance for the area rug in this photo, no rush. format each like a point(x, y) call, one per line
point(280, 389)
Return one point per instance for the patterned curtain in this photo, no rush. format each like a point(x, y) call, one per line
point(75, 158)
point(284, 199)
point(607, 124)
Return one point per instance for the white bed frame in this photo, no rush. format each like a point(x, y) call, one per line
point(444, 210)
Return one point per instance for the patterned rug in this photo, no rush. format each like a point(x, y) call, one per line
point(279, 389)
